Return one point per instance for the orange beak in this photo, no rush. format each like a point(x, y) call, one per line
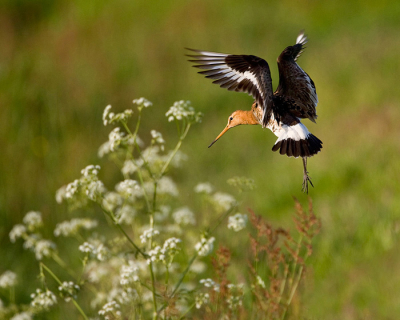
point(220, 135)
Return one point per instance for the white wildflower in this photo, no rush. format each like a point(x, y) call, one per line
point(198, 267)
point(125, 215)
point(111, 310)
point(237, 222)
point(71, 189)
point(68, 290)
point(184, 216)
point(100, 299)
point(86, 247)
point(61, 194)
point(235, 295)
point(8, 279)
point(72, 227)
point(162, 213)
point(102, 252)
point(142, 102)
point(110, 117)
point(95, 190)
point(260, 281)
point(147, 234)
point(202, 298)
point(154, 255)
point(129, 167)
point(224, 200)
point(22, 316)
point(112, 200)
point(107, 114)
point(183, 110)
point(128, 188)
point(115, 138)
point(205, 246)
point(157, 137)
point(90, 170)
point(129, 274)
point(177, 160)
point(170, 249)
point(165, 254)
point(96, 271)
point(167, 186)
point(44, 248)
point(204, 187)
point(33, 220)
point(18, 231)
point(104, 149)
point(30, 241)
point(151, 156)
point(209, 283)
point(43, 300)
point(124, 296)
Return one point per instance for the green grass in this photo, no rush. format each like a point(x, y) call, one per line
point(62, 62)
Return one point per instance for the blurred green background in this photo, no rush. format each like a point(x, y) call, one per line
point(62, 62)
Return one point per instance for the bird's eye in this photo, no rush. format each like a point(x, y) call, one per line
point(231, 118)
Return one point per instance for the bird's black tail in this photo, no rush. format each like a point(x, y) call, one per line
point(299, 148)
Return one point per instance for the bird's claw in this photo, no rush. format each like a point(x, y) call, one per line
point(306, 180)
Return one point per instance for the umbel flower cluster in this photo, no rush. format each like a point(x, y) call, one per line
point(137, 249)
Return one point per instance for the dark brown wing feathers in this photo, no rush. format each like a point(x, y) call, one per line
point(242, 73)
point(295, 96)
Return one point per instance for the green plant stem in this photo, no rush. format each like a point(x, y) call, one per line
point(283, 285)
point(43, 266)
point(144, 191)
point(179, 281)
point(153, 289)
point(296, 283)
point(140, 154)
point(110, 214)
point(62, 264)
point(153, 282)
point(166, 277)
point(178, 145)
point(221, 218)
point(294, 286)
point(187, 311)
point(184, 274)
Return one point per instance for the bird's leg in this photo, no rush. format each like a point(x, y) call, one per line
point(306, 178)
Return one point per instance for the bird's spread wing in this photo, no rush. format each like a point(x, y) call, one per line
point(296, 89)
point(243, 73)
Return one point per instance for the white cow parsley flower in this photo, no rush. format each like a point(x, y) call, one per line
point(43, 300)
point(147, 234)
point(204, 187)
point(33, 220)
point(205, 246)
point(184, 216)
point(237, 222)
point(8, 279)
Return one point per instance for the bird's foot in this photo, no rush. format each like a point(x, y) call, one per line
point(306, 180)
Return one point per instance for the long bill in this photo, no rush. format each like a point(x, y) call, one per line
point(220, 135)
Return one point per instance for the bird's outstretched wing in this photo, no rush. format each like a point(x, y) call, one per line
point(296, 89)
point(243, 73)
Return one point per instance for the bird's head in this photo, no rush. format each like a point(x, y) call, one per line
point(237, 118)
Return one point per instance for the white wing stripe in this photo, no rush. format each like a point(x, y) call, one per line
point(212, 54)
point(229, 74)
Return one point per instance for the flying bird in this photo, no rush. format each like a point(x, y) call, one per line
point(280, 111)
